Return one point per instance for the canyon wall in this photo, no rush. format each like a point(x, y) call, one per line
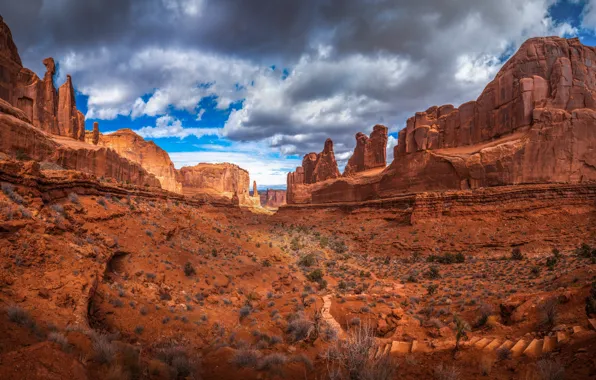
point(20, 138)
point(272, 198)
point(145, 153)
point(534, 123)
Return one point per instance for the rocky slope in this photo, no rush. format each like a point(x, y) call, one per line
point(145, 153)
point(532, 124)
point(218, 181)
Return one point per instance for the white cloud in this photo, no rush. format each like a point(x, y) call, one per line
point(267, 171)
point(168, 126)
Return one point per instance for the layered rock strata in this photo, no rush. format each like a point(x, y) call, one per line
point(534, 123)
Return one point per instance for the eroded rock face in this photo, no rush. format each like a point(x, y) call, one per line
point(315, 168)
point(217, 181)
point(19, 137)
point(145, 153)
point(534, 123)
point(370, 152)
point(273, 198)
point(546, 72)
point(46, 109)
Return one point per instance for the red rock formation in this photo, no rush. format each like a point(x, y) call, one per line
point(326, 166)
point(95, 134)
point(18, 137)
point(70, 120)
point(534, 123)
point(273, 198)
point(255, 192)
point(145, 153)
point(370, 152)
point(38, 98)
point(217, 181)
point(315, 168)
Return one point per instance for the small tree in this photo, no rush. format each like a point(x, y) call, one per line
point(189, 270)
point(461, 329)
point(516, 254)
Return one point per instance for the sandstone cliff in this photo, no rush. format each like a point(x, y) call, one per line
point(534, 123)
point(145, 153)
point(273, 198)
point(20, 138)
point(51, 111)
point(315, 168)
point(217, 181)
point(370, 152)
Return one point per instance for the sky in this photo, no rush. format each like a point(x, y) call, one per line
point(260, 83)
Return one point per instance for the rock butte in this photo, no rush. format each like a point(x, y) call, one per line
point(534, 123)
point(225, 180)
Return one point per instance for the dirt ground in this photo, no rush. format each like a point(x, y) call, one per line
point(107, 286)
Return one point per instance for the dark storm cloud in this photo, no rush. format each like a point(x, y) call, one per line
point(352, 63)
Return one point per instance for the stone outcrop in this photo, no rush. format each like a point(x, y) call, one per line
point(145, 153)
point(20, 139)
point(315, 168)
point(533, 124)
point(273, 198)
point(45, 108)
point(370, 152)
point(95, 134)
point(217, 181)
point(71, 122)
point(255, 192)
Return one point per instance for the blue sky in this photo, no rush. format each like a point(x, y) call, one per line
point(259, 83)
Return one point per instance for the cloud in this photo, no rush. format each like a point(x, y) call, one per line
point(339, 66)
point(168, 126)
point(265, 169)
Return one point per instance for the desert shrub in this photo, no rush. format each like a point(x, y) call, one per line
point(149, 233)
point(548, 312)
point(60, 339)
point(585, 251)
point(591, 301)
point(176, 357)
point(431, 289)
point(273, 363)
point(447, 258)
point(354, 358)
point(246, 358)
point(19, 316)
point(550, 370)
point(484, 311)
point(139, 330)
point(307, 260)
point(8, 190)
point(503, 353)
point(315, 275)
point(104, 349)
point(73, 198)
point(266, 263)
point(299, 329)
point(189, 270)
point(433, 272)
point(244, 311)
point(442, 372)
point(516, 254)
point(551, 262)
point(339, 246)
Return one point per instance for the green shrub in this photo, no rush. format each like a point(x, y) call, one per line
point(516, 254)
